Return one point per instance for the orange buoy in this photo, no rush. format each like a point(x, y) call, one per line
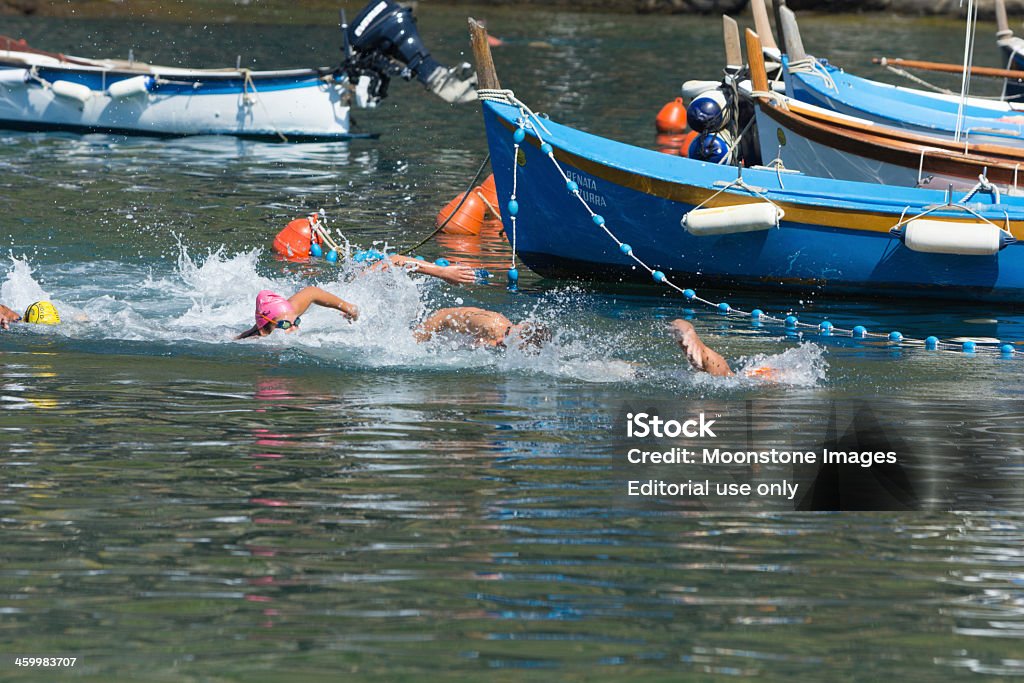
point(467, 220)
point(669, 143)
point(672, 117)
point(684, 148)
point(295, 240)
point(489, 194)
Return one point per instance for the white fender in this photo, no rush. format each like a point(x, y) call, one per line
point(129, 87)
point(13, 78)
point(948, 237)
point(693, 88)
point(726, 220)
point(72, 91)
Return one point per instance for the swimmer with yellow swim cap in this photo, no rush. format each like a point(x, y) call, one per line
point(707, 360)
point(42, 313)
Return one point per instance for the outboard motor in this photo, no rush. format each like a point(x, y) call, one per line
point(382, 41)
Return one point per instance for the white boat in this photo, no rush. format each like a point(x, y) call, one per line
point(42, 90)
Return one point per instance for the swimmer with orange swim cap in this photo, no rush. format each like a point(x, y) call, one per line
point(274, 312)
point(705, 359)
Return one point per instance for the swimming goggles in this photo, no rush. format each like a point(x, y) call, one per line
point(288, 324)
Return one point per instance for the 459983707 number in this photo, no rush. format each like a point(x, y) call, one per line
point(45, 661)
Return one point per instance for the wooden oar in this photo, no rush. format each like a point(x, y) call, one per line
point(949, 68)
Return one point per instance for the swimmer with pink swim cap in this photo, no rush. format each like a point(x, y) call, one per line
point(274, 312)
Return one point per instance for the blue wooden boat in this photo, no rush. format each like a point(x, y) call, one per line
point(835, 236)
point(1012, 48)
point(817, 82)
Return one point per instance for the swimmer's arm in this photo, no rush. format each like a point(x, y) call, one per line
point(445, 319)
point(251, 332)
point(304, 298)
point(455, 274)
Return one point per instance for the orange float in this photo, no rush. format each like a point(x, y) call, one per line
point(295, 240)
point(672, 117)
point(489, 193)
point(684, 148)
point(669, 143)
point(467, 220)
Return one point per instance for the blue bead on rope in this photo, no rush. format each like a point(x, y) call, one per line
point(790, 322)
point(969, 347)
point(443, 262)
point(689, 294)
point(931, 343)
point(598, 219)
point(1006, 349)
point(519, 135)
point(859, 332)
point(658, 276)
point(895, 336)
point(316, 250)
point(626, 249)
point(572, 186)
point(756, 314)
point(724, 307)
point(513, 279)
point(513, 207)
point(826, 328)
point(332, 256)
point(545, 148)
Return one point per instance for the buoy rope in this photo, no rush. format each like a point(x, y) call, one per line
point(825, 328)
point(458, 206)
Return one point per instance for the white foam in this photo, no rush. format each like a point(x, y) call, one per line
point(20, 288)
point(207, 300)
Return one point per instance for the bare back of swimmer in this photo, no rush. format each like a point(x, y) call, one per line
point(486, 328)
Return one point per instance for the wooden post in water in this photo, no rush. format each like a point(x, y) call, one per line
point(486, 74)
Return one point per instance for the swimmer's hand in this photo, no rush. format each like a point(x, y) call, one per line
point(458, 274)
point(350, 311)
point(7, 316)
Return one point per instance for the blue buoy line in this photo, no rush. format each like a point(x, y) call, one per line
point(528, 119)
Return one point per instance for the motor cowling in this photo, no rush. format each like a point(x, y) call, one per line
point(383, 41)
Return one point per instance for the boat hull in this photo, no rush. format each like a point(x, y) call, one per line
point(832, 240)
point(296, 105)
point(915, 110)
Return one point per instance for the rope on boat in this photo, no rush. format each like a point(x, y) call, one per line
point(965, 79)
point(529, 119)
point(812, 67)
point(916, 79)
point(255, 97)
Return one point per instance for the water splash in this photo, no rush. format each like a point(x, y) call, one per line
point(20, 288)
point(207, 300)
